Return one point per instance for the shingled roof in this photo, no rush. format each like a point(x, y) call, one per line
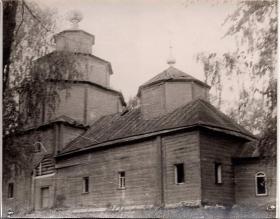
point(172, 74)
point(112, 128)
point(249, 151)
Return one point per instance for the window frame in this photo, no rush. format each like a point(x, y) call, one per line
point(121, 180)
point(176, 173)
point(11, 195)
point(218, 172)
point(259, 175)
point(85, 184)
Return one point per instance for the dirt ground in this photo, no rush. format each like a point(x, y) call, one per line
point(183, 212)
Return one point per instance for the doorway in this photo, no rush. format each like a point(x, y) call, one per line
point(45, 197)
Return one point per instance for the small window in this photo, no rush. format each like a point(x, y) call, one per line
point(179, 173)
point(261, 184)
point(10, 190)
point(218, 173)
point(37, 147)
point(86, 184)
point(122, 180)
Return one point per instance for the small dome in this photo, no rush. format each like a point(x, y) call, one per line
point(171, 61)
point(174, 74)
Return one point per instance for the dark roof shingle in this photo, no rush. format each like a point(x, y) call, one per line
point(119, 126)
point(172, 73)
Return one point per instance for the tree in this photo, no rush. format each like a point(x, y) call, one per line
point(28, 32)
point(250, 71)
point(9, 16)
point(24, 40)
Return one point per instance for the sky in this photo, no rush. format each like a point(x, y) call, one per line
point(135, 35)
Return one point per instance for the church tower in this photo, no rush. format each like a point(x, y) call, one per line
point(86, 94)
point(169, 90)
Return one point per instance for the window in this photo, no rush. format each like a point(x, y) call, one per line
point(218, 173)
point(122, 180)
point(10, 190)
point(38, 147)
point(260, 184)
point(179, 173)
point(86, 184)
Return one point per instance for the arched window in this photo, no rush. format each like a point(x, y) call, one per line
point(261, 187)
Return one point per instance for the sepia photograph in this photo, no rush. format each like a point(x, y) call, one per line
point(139, 108)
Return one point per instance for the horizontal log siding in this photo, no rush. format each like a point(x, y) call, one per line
point(217, 148)
point(182, 148)
point(22, 189)
point(40, 183)
point(245, 183)
point(138, 160)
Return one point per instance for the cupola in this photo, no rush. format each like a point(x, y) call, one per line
point(74, 39)
point(169, 90)
point(88, 95)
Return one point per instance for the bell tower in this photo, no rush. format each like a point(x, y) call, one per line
point(74, 39)
point(85, 93)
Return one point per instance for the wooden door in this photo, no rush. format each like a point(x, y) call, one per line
point(45, 197)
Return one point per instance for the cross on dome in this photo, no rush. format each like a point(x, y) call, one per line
point(171, 60)
point(75, 17)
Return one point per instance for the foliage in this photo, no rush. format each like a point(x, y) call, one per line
point(30, 40)
point(30, 84)
point(249, 71)
point(42, 85)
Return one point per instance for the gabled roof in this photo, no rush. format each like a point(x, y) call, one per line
point(112, 128)
point(172, 74)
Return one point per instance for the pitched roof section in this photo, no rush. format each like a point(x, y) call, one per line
point(60, 53)
point(73, 31)
point(117, 126)
point(249, 151)
point(60, 119)
point(118, 93)
point(172, 74)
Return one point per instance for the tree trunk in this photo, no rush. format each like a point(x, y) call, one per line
point(9, 25)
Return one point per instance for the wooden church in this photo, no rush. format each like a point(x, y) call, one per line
point(174, 150)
